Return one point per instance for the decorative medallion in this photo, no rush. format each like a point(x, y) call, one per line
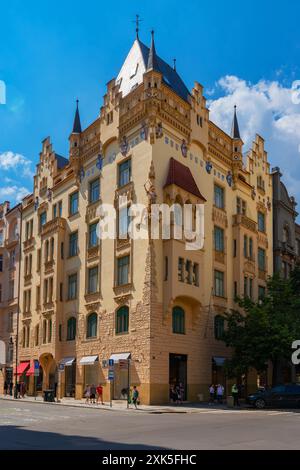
point(81, 174)
point(253, 193)
point(184, 148)
point(124, 146)
point(229, 178)
point(208, 167)
point(49, 194)
point(99, 163)
point(36, 203)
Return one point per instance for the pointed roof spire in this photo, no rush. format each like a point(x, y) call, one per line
point(152, 59)
point(137, 25)
point(77, 124)
point(235, 131)
point(174, 64)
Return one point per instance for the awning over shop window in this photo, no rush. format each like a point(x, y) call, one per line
point(88, 360)
point(120, 356)
point(67, 361)
point(219, 361)
point(30, 371)
point(22, 367)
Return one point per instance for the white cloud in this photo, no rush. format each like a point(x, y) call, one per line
point(269, 109)
point(13, 193)
point(10, 161)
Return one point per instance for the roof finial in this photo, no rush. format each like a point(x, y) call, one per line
point(152, 59)
point(174, 64)
point(137, 25)
point(76, 124)
point(235, 132)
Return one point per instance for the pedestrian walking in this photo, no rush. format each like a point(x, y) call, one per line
point(235, 394)
point(173, 394)
point(93, 394)
point(181, 392)
point(211, 394)
point(220, 393)
point(135, 397)
point(10, 386)
point(22, 389)
point(5, 387)
point(99, 391)
point(87, 394)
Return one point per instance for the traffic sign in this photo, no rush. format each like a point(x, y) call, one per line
point(36, 369)
point(111, 375)
point(110, 362)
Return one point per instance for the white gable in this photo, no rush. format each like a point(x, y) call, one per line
point(132, 71)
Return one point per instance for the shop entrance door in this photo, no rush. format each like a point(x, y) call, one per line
point(70, 380)
point(178, 371)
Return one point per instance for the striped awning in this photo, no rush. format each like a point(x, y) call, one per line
point(88, 360)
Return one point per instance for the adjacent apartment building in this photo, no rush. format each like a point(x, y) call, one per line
point(86, 301)
point(10, 221)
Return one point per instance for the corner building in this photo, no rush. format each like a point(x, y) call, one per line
point(85, 301)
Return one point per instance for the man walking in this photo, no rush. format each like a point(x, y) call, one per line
point(135, 396)
point(220, 393)
point(235, 394)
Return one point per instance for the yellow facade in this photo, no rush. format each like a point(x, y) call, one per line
point(157, 123)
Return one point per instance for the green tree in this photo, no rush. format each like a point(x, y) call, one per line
point(264, 331)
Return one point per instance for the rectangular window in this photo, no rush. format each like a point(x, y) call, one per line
point(59, 208)
point(261, 222)
point(124, 221)
point(245, 246)
point(234, 248)
point(11, 290)
point(219, 284)
point(72, 287)
point(181, 269)
point(94, 190)
point(166, 268)
point(261, 292)
point(219, 196)
point(54, 211)
point(39, 259)
point(38, 296)
point(62, 250)
point(61, 292)
point(74, 203)
point(60, 332)
point(124, 173)
point(73, 244)
point(196, 274)
point(219, 239)
point(93, 237)
point(46, 291)
point(261, 259)
point(43, 219)
point(251, 248)
point(123, 270)
point(93, 280)
point(241, 206)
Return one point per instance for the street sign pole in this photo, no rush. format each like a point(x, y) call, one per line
point(128, 381)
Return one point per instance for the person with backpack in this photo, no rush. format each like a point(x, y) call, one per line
point(135, 397)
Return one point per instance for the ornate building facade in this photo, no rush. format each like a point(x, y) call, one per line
point(10, 223)
point(85, 301)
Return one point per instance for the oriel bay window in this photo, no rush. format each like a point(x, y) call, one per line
point(122, 319)
point(93, 237)
point(123, 270)
point(92, 322)
point(72, 286)
point(124, 175)
point(178, 320)
point(94, 190)
point(93, 280)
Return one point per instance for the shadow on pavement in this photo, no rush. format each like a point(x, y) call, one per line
point(18, 438)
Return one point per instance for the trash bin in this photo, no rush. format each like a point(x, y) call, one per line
point(49, 395)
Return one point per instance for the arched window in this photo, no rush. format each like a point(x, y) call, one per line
point(92, 322)
point(122, 319)
point(52, 249)
point(219, 326)
point(178, 320)
point(71, 329)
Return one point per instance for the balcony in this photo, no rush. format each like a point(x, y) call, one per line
point(262, 275)
point(28, 244)
point(53, 226)
point(93, 252)
point(92, 211)
point(49, 266)
point(219, 217)
point(244, 221)
point(220, 257)
point(12, 242)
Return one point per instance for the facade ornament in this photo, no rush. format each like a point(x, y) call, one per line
point(229, 178)
point(253, 192)
point(49, 194)
point(81, 174)
point(159, 130)
point(208, 167)
point(124, 146)
point(269, 204)
point(144, 131)
point(36, 203)
point(99, 163)
point(184, 148)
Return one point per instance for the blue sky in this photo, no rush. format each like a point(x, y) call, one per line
point(50, 55)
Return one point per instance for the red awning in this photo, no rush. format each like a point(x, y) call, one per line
point(30, 371)
point(22, 367)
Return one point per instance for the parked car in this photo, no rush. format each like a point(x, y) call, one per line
point(280, 396)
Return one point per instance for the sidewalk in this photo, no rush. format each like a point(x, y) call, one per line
point(121, 405)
